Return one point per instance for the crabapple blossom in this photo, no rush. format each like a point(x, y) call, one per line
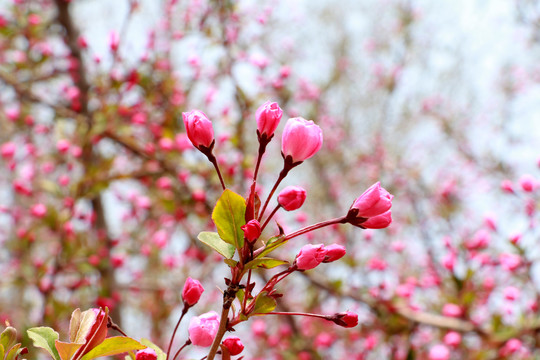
point(199, 128)
point(334, 252)
point(374, 201)
point(146, 354)
point(268, 116)
point(234, 345)
point(310, 256)
point(252, 230)
point(292, 198)
point(301, 139)
point(203, 329)
point(192, 291)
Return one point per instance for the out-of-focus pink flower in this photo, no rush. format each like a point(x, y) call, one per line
point(324, 340)
point(301, 139)
point(38, 210)
point(527, 183)
point(439, 352)
point(114, 41)
point(203, 329)
point(512, 346)
point(374, 201)
point(510, 262)
point(452, 310)
point(310, 256)
point(292, 198)
point(268, 116)
point(146, 354)
point(234, 345)
point(452, 338)
point(507, 186)
point(252, 230)
point(511, 293)
point(199, 128)
point(334, 252)
point(7, 150)
point(192, 291)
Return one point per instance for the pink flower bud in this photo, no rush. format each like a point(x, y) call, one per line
point(378, 222)
point(199, 128)
point(292, 198)
point(234, 345)
point(301, 139)
point(268, 116)
point(334, 252)
point(507, 186)
point(439, 352)
point(310, 256)
point(252, 230)
point(346, 319)
point(374, 201)
point(203, 329)
point(146, 354)
point(192, 291)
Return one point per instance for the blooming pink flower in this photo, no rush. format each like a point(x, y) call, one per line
point(192, 291)
point(146, 354)
point(301, 139)
point(511, 293)
point(252, 230)
point(268, 116)
point(292, 198)
point(334, 252)
point(203, 329)
point(199, 128)
point(510, 262)
point(374, 201)
point(234, 345)
point(310, 256)
point(439, 352)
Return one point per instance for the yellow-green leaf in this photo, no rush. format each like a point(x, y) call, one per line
point(113, 346)
point(264, 262)
point(8, 337)
point(264, 304)
point(213, 240)
point(229, 216)
point(44, 337)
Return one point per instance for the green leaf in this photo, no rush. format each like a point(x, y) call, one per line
point(44, 337)
point(213, 240)
point(272, 244)
point(264, 304)
point(231, 262)
point(240, 295)
point(66, 350)
point(160, 354)
point(229, 217)
point(8, 338)
point(1, 351)
point(113, 346)
point(264, 262)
